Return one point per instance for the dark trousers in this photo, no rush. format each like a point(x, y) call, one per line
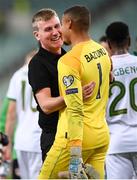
point(47, 139)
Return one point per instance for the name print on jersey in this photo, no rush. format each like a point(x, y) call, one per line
point(95, 54)
point(126, 70)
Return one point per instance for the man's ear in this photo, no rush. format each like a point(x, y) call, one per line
point(36, 34)
point(70, 22)
point(109, 44)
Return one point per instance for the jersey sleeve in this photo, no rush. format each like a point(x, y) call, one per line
point(38, 76)
point(71, 90)
point(12, 91)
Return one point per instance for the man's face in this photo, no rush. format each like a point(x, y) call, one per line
point(49, 34)
point(66, 23)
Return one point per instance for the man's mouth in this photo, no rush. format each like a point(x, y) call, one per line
point(56, 38)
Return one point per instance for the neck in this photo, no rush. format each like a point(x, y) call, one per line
point(118, 51)
point(58, 51)
point(79, 37)
point(53, 50)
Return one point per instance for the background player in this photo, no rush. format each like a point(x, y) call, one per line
point(121, 162)
point(27, 136)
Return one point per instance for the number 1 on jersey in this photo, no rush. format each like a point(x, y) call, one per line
point(100, 80)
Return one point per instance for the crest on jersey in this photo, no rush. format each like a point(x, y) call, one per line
point(68, 80)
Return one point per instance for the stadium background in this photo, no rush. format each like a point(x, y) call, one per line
point(16, 37)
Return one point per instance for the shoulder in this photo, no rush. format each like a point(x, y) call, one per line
point(133, 57)
point(35, 65)
point(34, 61)
point(20, 74)
point(67, 58)
point(17, 73)
point(71, 54)
point(71, 60)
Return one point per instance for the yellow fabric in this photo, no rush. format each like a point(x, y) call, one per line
point(77, 143)
point(86, 62)
point(58, 158)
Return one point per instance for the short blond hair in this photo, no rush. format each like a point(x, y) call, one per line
point(42, 15)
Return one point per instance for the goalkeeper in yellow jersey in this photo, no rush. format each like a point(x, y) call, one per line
point(82, 133)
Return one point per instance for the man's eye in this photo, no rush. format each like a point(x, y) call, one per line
point(48, 29)
point(57, 26)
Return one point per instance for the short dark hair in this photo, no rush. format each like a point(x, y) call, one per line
point(117, 32)
point(80, 15)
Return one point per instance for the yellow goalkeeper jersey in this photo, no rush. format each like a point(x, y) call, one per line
point(85, 62)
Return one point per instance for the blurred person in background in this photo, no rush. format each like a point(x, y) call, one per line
point(135, 51)
point(104, 42)
point(43, 74)
point(121, 161)
point(27, 135)
point(82, 132)
point(5, 165)
point(14, 162)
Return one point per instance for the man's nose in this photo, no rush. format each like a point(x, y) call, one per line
point(55, 31)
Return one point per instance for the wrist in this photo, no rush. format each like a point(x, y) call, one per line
point(75, 143)
point(75, 152)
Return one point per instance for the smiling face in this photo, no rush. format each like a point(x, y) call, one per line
point(49, 34)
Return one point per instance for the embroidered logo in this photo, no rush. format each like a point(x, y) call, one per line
point(68, 80)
